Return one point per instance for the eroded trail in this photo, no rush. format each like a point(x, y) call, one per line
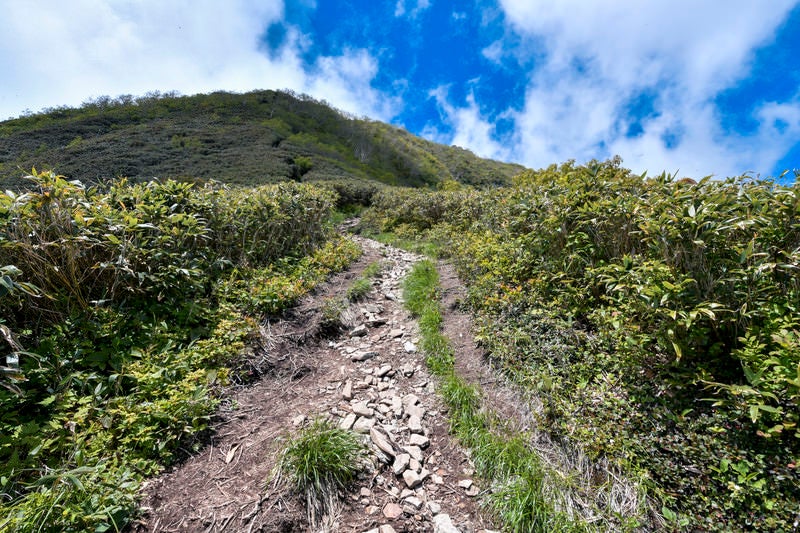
point(370, 378)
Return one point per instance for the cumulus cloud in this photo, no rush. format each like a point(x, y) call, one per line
point(87, 48)
point(593, 60)
point(469, 128)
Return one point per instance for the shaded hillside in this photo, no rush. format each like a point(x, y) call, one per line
point(253, 138)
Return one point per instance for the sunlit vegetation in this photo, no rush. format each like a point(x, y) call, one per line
point(656, 319)
point(247, 139)
point(522, 495)
point(124, 310)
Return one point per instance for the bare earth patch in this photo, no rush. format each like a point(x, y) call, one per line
point(369, 377)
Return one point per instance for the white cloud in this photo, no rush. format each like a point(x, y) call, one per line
point(470, 129)
point(401, 8)
point(61, 53)
point(494, 52)
point(592, 59)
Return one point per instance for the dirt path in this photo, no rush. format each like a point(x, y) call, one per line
point(370, 378)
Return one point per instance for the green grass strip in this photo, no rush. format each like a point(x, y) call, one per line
point(502, 457)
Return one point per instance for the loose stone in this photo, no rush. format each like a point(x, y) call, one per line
point(401, 462)
point(392, 511)
point(383, 370)
point(363, 424)
point(381, 440)
point(414, 479)
point(347, 391)
point(362, 356)
point(414, 502)
point(419, 440)
point(416, 410)
point(409, 347)
point(414, 424)
point(361, 409)
point(414, 451)
point(359, 331)
point(348, 421)
point(434, 508)
point(443, 524)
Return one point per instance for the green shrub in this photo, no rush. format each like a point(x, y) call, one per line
point(648, 312)
point(132, 302)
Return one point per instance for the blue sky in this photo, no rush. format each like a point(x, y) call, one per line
point(694, 87)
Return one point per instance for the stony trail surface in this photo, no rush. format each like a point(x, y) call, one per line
point(370, 378)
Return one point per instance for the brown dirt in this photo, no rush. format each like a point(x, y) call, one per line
point(499, 395)
point(303, 371)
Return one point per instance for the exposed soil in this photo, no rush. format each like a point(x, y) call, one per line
point(369, 377)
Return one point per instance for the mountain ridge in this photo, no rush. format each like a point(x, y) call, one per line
point(244, 139)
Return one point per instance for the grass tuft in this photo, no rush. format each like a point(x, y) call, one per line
point(319, 462)
point(359, 289)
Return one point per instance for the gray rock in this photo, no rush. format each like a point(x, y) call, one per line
point(416, 410)
point(443, 524)
point(412, 479)
point(392, 511)
point(373, 308)
point(383, 370)
point(414, 424)
point(386, 528)
point(409, 347)
point(361, 409)
point(359, 331)
point(420, 441)
point(414, 502)
point(395, 333)
point(415, 479)
point(414, 451)
point(348, 421)
point(409, 400)
point(465, 483)
point(401, 462)
point(382, 441)
point(362, 356)
point(434, 508)
point(363, 424)
point(347, 391)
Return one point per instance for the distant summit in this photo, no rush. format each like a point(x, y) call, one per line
point(246, 139)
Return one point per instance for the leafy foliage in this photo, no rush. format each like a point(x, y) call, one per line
point(133, 302)
point(658, 319)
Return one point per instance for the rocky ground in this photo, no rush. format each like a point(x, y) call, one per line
point(368, 376)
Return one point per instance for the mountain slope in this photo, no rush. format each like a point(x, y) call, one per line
point(247, 139)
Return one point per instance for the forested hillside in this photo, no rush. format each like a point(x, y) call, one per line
point(247, 139)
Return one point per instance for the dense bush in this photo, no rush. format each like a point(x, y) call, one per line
point(658, 318)
point(123, 308)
